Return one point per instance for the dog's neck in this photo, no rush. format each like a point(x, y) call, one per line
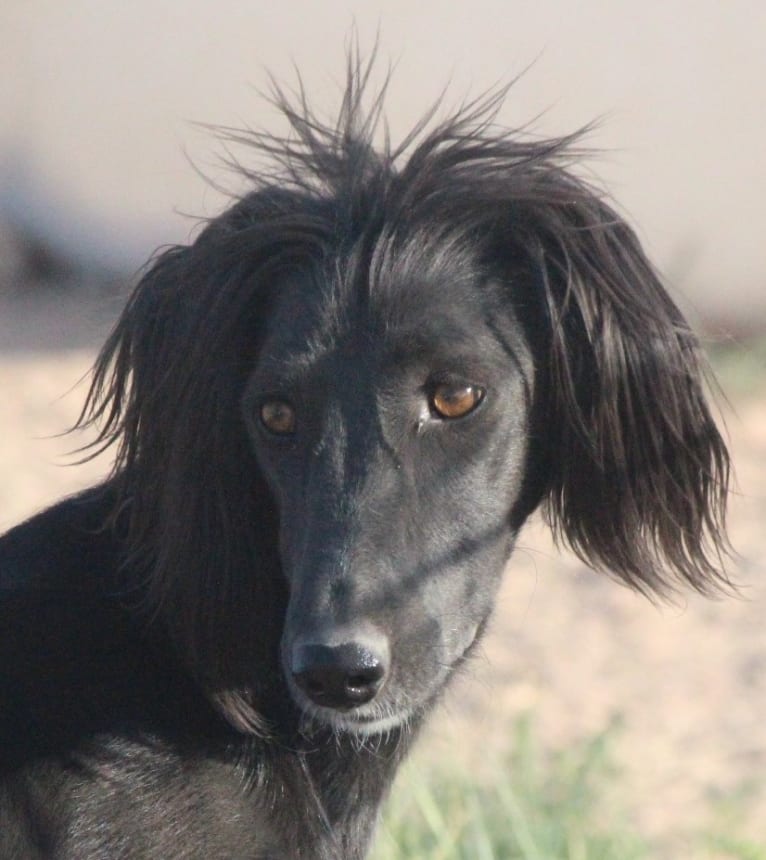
point(325, 801)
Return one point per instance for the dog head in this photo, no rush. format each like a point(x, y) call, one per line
point(389, 410)
point(336, 408)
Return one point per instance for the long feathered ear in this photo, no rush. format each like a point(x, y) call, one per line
point(200, 524)
point(636, 468)
point(625, 455)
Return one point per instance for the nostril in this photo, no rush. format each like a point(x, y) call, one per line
point(361, 681)
point(338, 676)
point(362, 686)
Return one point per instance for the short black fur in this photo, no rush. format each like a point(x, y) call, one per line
point(153, 629)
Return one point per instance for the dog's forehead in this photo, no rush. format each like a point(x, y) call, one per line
point(317, 318)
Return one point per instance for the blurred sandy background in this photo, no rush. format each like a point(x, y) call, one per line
point(97, 102)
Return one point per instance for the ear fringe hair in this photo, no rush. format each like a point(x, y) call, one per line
point(640, 471)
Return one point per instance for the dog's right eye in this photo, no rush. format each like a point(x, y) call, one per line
point(455, 401)
point(278, 417)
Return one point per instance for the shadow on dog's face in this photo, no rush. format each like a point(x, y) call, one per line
point(390, 417)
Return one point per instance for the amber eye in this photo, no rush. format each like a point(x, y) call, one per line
point(455, 401)
point(278, 417)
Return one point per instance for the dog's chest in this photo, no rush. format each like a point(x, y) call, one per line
point(143, 801)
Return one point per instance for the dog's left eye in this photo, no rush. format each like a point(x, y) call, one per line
point(278, 416)
point(455, 401)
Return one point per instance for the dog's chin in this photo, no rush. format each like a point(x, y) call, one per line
point(360, 725)
point(363, 722)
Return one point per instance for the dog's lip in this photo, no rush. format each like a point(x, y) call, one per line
point(469, 642)
point(360, 714)
point(360, 718)
point(363, 720)
point(362, 724)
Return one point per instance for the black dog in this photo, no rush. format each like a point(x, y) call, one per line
point(332, 412)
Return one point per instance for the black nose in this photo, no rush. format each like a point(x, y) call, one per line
point(338, 676)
